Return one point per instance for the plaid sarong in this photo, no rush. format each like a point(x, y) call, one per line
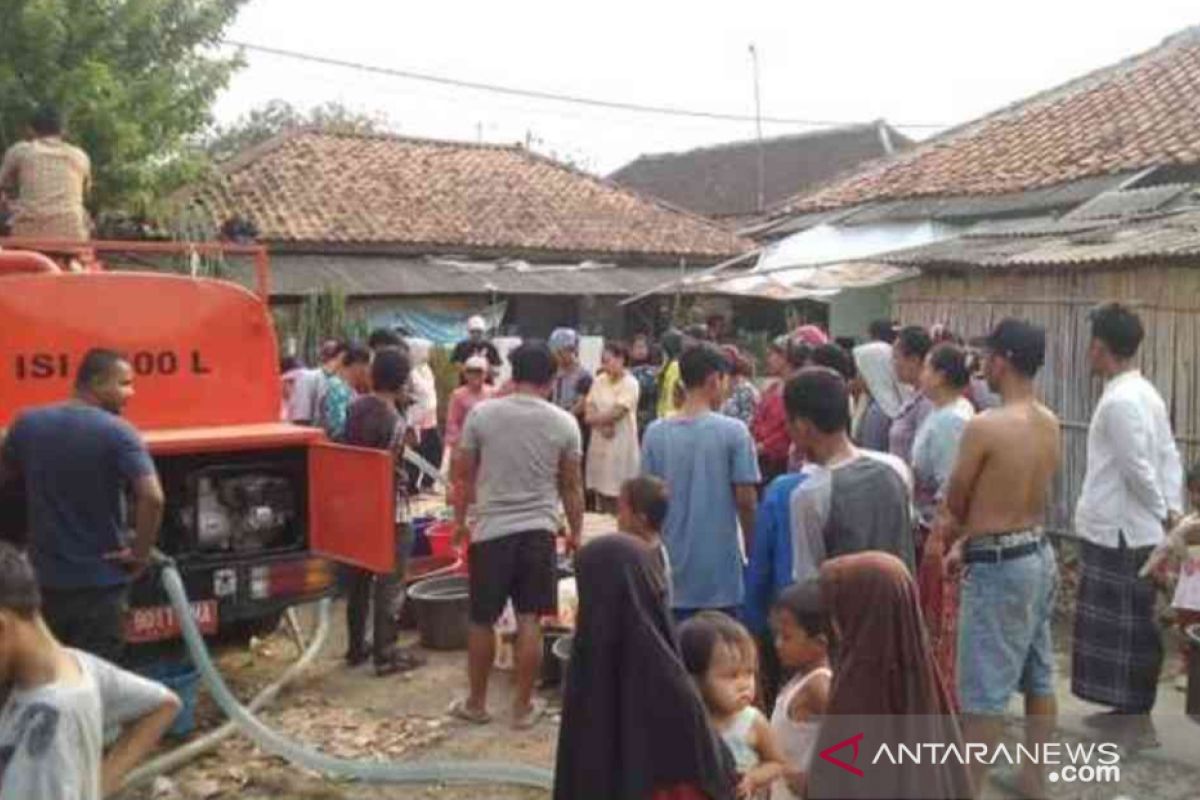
point(1118, 650)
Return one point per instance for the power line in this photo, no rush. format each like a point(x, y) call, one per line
point(559, 98)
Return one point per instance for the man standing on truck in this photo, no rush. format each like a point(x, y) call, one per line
point(77, 458)
point(51, 178)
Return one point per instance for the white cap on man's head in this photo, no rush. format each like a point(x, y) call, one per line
point(476, 323)
point(476, 362)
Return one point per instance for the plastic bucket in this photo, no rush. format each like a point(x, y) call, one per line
point(441, 538)
point(183, 679)
point(440, 607)
point(562, 654)
point(552, 666)
point(418, 570)
point(1192, 634)
point(420, 530)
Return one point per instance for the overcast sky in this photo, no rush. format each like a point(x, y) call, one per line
point(922, 61)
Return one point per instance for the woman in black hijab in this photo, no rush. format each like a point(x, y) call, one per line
point(633, 726)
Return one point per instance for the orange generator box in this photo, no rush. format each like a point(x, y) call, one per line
point(256, 508)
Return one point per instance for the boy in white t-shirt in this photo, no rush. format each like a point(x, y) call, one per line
point(59, 701)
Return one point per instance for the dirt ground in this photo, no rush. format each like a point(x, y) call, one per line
point(353, 714)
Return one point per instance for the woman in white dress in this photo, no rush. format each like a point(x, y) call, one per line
point(610, 411)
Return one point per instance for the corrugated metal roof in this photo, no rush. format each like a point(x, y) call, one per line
point(365, 276)
point(779, 228)
point(1128, 202)
point(969, 207)
point(1165, 236)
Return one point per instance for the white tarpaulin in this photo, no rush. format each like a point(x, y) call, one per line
point(824, 244)
point(824, 260)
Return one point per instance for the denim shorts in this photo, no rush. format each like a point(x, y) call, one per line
point(1004, 637)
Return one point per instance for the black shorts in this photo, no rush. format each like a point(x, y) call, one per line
point(92, 619)
point(521, 567)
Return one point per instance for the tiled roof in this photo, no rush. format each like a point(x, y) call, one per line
point(1141, 112)
point(722, 181)
point(318, 188)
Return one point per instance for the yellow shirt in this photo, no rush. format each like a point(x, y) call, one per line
point(666, 391)
point(51, 177)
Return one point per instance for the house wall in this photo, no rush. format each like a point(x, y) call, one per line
point(1166, 297)
point(852, 311)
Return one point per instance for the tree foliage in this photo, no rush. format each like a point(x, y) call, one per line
point(277, 116)
point(135, 78)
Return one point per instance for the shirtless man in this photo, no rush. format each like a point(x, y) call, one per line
point(996, 503)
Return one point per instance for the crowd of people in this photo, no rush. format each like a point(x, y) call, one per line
point(861, 534)
point(864, 537)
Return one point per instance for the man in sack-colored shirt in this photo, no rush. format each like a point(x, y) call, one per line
point(52, 178)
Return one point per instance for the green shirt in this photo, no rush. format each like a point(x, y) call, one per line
point(335, 406)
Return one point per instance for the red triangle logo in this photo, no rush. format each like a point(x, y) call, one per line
point(828, 752)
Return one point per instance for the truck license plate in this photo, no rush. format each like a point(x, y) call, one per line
point(160, 622)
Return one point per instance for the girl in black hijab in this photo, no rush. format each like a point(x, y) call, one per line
point(633, 726)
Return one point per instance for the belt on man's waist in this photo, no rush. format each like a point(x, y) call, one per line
point(995, 548)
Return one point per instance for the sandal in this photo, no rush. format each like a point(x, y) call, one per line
point(460, 710)
point(523, 722)
point(398, 661)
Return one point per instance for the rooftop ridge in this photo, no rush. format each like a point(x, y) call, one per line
point(1169, 47)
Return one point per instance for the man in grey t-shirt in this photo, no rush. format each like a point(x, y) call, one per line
point(518, 456)
point(851, 500)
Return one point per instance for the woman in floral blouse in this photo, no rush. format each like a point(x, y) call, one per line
point(742, 402)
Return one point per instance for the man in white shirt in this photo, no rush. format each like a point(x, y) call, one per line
point(1132, 491)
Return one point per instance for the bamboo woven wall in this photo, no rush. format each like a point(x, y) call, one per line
point(1166, 297)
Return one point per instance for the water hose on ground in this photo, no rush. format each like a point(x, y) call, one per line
point(169, 762)
point(277, 744)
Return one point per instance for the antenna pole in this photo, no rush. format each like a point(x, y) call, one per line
point(762, 166)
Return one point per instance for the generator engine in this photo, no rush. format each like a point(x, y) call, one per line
point(240, 513)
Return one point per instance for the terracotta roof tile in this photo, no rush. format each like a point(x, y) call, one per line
point(722, 180)
point(313, 187)
point(1141, 112)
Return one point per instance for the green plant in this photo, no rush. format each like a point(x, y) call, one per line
point(446, 378)
point(325, 315)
